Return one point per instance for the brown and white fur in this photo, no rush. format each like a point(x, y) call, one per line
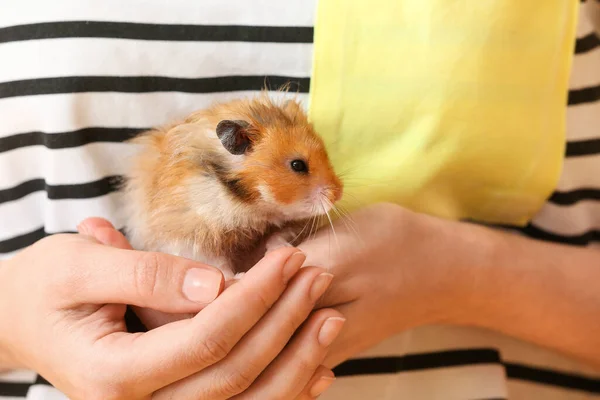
point(217, 185)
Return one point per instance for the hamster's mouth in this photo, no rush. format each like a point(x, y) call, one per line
point(307, 209)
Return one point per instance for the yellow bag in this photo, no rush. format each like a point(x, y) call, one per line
point(454, 108)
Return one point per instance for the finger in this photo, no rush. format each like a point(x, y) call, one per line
point(179, 349)
point(261, 345)
point(318, 384)
point(104, 232)
point(99, 275)
point(230, 282)
point(110, 237)
point(289, 374)
point(152, 319)
point(89, 224)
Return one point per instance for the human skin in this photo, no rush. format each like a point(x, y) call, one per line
point(413, 269)
point(63, 303)
point(416, 269)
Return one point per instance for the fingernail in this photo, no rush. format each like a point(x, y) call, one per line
point(292, 265)
point(330, 330)
point(201, 285)
point(321, 386)
point(320, 285)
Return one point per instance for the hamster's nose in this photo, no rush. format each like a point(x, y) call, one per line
point(337, 193)
point(333, 193)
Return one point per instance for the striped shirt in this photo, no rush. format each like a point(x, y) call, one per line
point(78, 78)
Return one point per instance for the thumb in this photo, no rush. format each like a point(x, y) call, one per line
point(161, 283)
point(104, 232)
point(100, 274)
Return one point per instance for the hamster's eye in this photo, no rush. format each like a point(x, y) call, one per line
point(299, 166)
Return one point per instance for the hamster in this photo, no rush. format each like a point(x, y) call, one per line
point(227, 183)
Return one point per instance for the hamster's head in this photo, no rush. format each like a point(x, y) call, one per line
point(283, 161)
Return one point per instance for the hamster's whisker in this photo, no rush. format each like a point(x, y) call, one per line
point(312, 222)
point(344, 173)
point(330, 222)
point(346, 214)
point(355, 199)
point(343, 216)
point(323, 211)
point(318, 217)
point(301, 232)
point(346, 219)
point(370, 185)
point(315, 223)
point(355, 229)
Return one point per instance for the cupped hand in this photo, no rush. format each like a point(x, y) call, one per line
point(394, 269)
point(62, 309)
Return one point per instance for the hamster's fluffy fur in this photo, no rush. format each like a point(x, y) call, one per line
point(186, 194)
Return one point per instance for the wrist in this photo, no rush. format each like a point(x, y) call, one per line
point(453, 282)
point(470, 273)
point(436, 271)
point(436, 268)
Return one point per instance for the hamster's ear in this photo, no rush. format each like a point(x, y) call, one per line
point(234, 136)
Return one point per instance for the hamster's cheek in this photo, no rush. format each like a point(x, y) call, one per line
point(301, 210)
point(266, 194)
point(295, 205)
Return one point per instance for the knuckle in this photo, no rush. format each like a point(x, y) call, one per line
point(306, 364)
point(105, 378)
point(105, 389)
point(147, 273)
point(259, 298)
point(235, 382)
point(211, 351)
point(291, 324)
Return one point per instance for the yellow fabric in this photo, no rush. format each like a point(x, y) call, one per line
point(454, 108)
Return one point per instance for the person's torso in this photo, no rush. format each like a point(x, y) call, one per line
point(67, 105)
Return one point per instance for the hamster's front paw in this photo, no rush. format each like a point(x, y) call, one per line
point(277, 240)
point(238, 276)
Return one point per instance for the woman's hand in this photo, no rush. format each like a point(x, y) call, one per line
point(394, 270)
point(62, 308)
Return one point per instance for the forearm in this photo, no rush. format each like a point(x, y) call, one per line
point(7, 359)
point(540, 292)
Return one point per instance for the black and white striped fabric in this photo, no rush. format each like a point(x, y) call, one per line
point(78, 77)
